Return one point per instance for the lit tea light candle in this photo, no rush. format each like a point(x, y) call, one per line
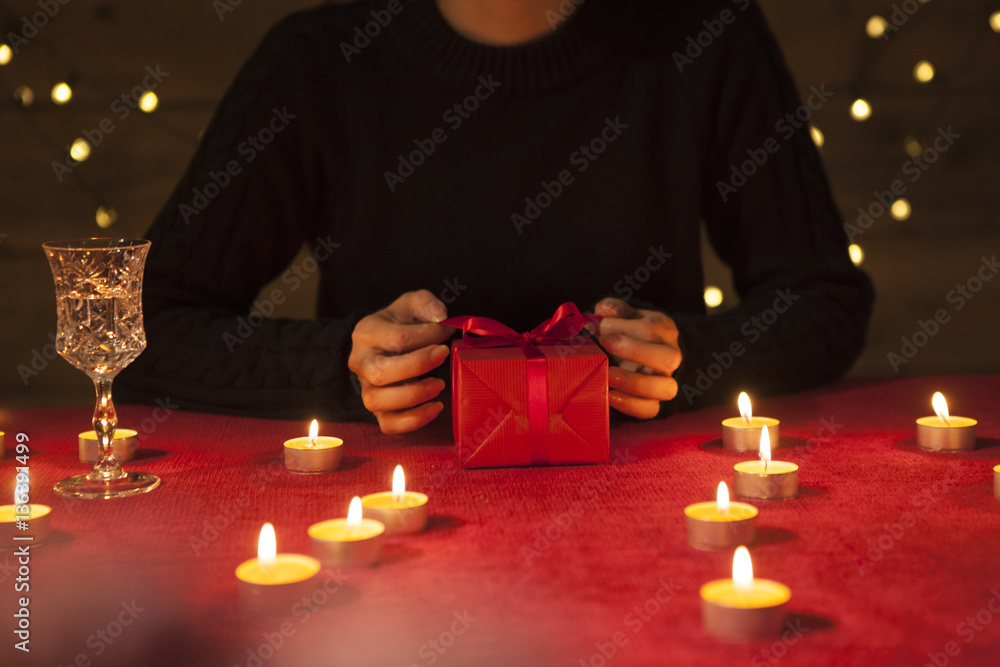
point(944, 432)
point(313, 455)
point(742, 434)
point(273, 583)
point(351, 542)
point(996, 482)
point(123, 445)
point(765, 479)
point(400, 510)
point(743, 608)
point(722, 524)
point(23, 523)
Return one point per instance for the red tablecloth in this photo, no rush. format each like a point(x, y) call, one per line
point(891, 553)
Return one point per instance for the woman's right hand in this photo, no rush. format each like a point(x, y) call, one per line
point(394, 347)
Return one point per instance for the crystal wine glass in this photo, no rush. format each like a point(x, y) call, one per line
point(99, 308)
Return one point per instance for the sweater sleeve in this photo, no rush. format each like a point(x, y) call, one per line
point(249, 200)
point(804, 307)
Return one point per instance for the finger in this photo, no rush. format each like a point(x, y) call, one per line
point(400, 396)
point(660, 387)
point(409, 420)
point(395, 338)
point(382, 369)
point(418, 306)
point(648, 328)
point(643, 408)
point(661, 357)
point(611, 307)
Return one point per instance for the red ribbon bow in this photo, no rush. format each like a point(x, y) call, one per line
point(567, 322)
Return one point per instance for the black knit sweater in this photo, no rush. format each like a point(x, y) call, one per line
point(507, 180)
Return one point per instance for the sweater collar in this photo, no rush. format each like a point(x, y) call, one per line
point(581, 42)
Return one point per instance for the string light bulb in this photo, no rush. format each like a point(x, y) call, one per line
point(79, 150)
point(876, 26)
point(913, 146)
point(995, 21)
point(923, 71)
point(860, 109)
point(61, 93)
point(817, 136)
point(856, 253)
point(24, 96)
point(5, 54)
point(901, 209)
point(713, 296)
point(149, 101)
point(106, 216)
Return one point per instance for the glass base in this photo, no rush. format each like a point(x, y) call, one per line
point(131, 484)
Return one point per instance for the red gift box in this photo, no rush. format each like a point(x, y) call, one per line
point(538, 398)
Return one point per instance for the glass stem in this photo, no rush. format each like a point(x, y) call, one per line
point(105, 423)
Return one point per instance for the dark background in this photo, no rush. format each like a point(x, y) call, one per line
point(108, 45)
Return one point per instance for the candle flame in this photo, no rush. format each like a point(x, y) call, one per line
point(267, 546)
point(745, 411)
point(742, 570)
point(354, 513)
point(765, 447)
point(313, 432)
point(398, 484)
point(941, 407)
point(722, 498)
